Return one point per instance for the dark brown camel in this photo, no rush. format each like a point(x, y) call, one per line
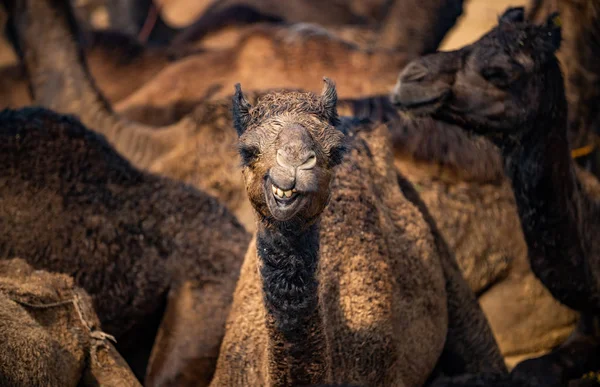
point(508, 87)
point(151, 252)
point(578, 55)
point(319, 301)
point(50, 334)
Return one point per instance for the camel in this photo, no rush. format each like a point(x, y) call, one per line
point(341, 259)
point(119, 63)
point(483, 88)
point(462, 183)
point(373, 24)
point(159, 258)
point(50, 334)
point(578, 56)
point(475, 213)
point(296, 55)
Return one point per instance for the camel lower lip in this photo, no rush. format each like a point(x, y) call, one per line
point(282, 207)
point(285, 201)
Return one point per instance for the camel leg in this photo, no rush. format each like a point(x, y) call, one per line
point(187, 344)
point(578, 355)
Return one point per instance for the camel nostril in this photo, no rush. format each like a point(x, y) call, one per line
point(414, 72)
point(307, 160)
point(310, 161)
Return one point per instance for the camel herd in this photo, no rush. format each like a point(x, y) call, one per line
point(299, 193)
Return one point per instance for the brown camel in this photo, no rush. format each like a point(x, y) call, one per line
point(119, 64)
point(296, 55)
point(373, 24)
point(340, 261)
point(461, 181)
point(154, 254)
point(475, 211)
point(508, 87)
point(50, 334)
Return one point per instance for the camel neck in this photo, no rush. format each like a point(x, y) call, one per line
point(549, 201)
point(289, 262)
point(46, 36)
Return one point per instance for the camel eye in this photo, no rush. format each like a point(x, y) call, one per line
point(497, 76)
point(248, 153)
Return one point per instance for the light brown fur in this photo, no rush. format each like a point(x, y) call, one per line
point(50, 335)
point(388, 292)
point(461, 180)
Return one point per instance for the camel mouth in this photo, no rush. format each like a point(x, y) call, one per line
point(284, 196)
point(283, 204)
point(422, 106)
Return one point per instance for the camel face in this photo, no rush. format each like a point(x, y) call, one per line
point(288, 154)
point(487, 87)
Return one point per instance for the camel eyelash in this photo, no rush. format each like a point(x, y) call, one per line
point(248, 154)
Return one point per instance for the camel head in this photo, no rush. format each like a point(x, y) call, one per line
point(289, 144)
point(497, 86)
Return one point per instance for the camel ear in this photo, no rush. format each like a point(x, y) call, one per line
point(329, 100)
point(241, 110)
point(513, 15)
point(553, 33)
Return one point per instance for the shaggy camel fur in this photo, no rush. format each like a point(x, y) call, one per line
point(151, 252)
point(465, 208)
point(313, 307)
point(578, 56)
point(461, 181)
point(483, 87)
point(295, 56)
point(50, 334)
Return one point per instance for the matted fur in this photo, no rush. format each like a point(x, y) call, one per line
point(475, 212)
point(50, 334)
point(138, 243)
point(483, 87)
point(380, 267)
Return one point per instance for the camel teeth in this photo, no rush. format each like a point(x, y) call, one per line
point(281, 193)
point(294, 190)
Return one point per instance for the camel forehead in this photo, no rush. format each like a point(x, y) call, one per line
point(290, 103)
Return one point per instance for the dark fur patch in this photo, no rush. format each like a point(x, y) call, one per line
point(289, 264)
